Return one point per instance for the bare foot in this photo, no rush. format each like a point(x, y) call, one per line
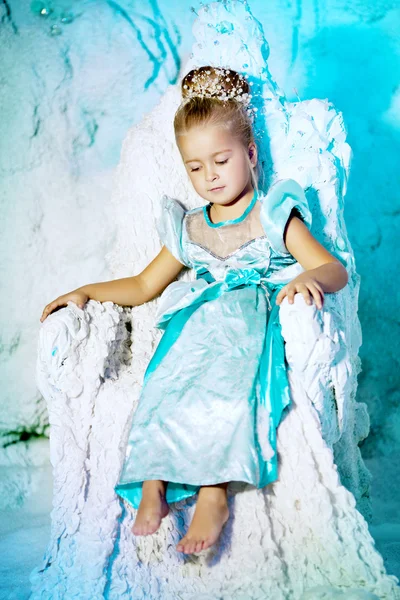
point(152, 508)
point(211, 514)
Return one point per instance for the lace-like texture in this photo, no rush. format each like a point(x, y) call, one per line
point(225, 238)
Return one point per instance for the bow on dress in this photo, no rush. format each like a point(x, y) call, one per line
point(174, 319)
point(240, 277)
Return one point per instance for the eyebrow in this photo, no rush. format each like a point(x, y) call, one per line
point(214, 154)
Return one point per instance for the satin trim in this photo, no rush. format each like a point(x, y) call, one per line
point(230, 221)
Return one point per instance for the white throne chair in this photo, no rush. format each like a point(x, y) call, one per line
point(302, 537)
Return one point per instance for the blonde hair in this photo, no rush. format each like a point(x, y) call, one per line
point(212, 96)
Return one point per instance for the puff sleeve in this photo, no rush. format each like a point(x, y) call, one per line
point(284, 196)
point(169, 226)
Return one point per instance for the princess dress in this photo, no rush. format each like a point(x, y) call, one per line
point(216, 387)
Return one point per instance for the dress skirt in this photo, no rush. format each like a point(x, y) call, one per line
point(198, 419)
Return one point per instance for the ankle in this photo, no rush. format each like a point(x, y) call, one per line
point(154, 485)
point(217, 494)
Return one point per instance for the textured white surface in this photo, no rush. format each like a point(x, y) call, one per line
point(300, 538)
point(302, 532)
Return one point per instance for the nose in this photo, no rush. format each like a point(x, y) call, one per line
point(211, 175)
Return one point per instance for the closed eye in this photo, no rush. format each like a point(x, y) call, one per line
point(222, 162)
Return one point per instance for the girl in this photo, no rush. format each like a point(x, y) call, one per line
point(216, 387)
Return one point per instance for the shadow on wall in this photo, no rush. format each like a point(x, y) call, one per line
point(357, 68)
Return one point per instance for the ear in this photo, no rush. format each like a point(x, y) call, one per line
point(253, 153)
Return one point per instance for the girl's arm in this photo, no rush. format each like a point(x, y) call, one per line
point(138, 289)
point(324, 272)
point(129, 291)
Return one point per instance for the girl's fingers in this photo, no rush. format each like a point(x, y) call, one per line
point(280, 296)
point(61, 301)
point(320, 289)
point(45, 312)
point(317, 295)
point(289, 291)
point(305, 291)
point(48, 309)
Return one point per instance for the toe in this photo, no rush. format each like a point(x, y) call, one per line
point(181, 545)
point(206, 544)
point(149, 528)
point(199, 546)
point(184, 546)
point(153, 526)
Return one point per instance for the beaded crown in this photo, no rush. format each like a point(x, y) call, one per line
point(205, 86)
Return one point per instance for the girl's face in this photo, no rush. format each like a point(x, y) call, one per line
point(214, 158)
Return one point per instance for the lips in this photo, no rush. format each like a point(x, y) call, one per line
point(217, 188)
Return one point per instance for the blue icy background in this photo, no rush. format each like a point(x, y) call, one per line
point(71, 84)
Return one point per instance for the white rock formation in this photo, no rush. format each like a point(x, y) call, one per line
point(303, 537)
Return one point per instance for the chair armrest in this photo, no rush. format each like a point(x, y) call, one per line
point(96, 336)
point(77, 350)
point(321, 349)
point(318, 349)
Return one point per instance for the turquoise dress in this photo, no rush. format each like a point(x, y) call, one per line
point(216, 387)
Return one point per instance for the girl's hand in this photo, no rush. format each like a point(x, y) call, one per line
point(77, 296)
point(304, 284)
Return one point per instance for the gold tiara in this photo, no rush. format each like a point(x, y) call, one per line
point(207, 87)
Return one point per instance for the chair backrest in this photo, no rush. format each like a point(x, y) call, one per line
point(305, 141)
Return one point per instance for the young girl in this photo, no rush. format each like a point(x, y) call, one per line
point(216, 387)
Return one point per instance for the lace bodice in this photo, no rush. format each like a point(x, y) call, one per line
point(253, 240)
point(223, 239)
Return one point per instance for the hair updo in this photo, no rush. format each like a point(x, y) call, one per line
point(217, 96)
